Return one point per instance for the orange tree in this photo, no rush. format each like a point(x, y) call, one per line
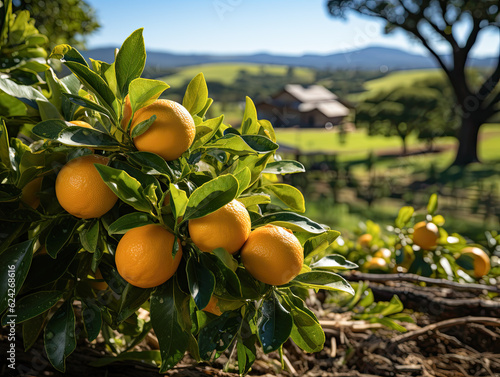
point(105, 230)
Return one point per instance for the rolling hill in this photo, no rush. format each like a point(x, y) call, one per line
point(370, 58)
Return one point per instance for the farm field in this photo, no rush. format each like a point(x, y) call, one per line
point(226, 73)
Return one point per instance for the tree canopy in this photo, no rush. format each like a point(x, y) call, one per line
point(62, 21)
point(438, 20)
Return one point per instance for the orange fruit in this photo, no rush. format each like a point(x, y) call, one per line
point(212, 306)
point(144, 256)
point(127, 112)
point(80, 189)
point(376, 263)
point(383, 253)
point(30, 192)
point(81, 123)
point(99, 285)
point(171, 134)
point(272, 255)
point(482, 263)
point(425, 235)
point(228, 227)
point(365, 239)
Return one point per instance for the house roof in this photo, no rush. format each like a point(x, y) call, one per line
point(312, 93)
point(317, 97)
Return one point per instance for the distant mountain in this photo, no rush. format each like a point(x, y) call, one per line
point(370, 58)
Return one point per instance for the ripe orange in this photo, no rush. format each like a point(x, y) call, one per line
point(482, 263)
point(425, 235)
point(365, 239)
point(144, 256)
point(212, 306)
point(81, 123)
point(171, 134)
point(272, 255)
point(228, 227)
point(383, 253)
point(376, 263)
point(80, 189)
point(30, 193)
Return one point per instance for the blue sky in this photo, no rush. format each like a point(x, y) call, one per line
point(291, 27)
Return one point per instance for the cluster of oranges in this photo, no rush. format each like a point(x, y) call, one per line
point(144, 258)
point(425, 235)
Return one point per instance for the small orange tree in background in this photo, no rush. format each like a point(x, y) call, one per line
point(122, 202)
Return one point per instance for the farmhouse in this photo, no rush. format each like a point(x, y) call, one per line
point(297, 106)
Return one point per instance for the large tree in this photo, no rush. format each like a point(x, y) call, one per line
point(62, 21)
point(438, 20)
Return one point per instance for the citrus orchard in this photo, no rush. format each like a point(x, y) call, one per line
point(376, 264)
point(228, 228)
point(144, 256)
point(365, 239)
point(272, 255)
point(80, 189)
point(170, 135)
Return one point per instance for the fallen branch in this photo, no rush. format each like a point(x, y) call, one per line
point(444, 324)
point(413, 278)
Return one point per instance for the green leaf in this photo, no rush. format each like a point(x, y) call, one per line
point(334, 262)
point(306, 331)
point(124, 186)
point(201, 282)
point(27, 94)
point(250, 124)
point(226, 258)
point(60, 337)
point(89, 236)
point(152, 164)
point(178, 201)
point(388, 322)
point(227, 283)
point(96, 84)
point(140, 356)
point(143, 92)
point(4, 145)
point(68, 53)
point(75, 136)
point(59, 235)
point(143, 126)
point(92, 319)
point(246, 354)
point(274, 323)
point(196, 95)
point(172, 338)
point(130, 61)
point(218, 334)
point(130, 221)
point(289, 195)
point(131, 300)
point(291, 221)
point(284, 167)
point(33, 305)
point(244, 177)
point(318, 244)
point(211, 196)
point(404, 216)
point(49, 129)
point(86, 103)
point(254, 199)
point(432, 205)
point(48, 110)
point(206, 131)
point(31, 330)
point(323, 280)
point(16, 261)
point(243, 145)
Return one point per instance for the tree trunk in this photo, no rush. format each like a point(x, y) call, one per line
point(403, 140)
point(467, 142)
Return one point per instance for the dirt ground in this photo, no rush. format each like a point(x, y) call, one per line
point(456, 333)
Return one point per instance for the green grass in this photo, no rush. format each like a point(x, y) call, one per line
point(395, 79)
point(226, 73)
